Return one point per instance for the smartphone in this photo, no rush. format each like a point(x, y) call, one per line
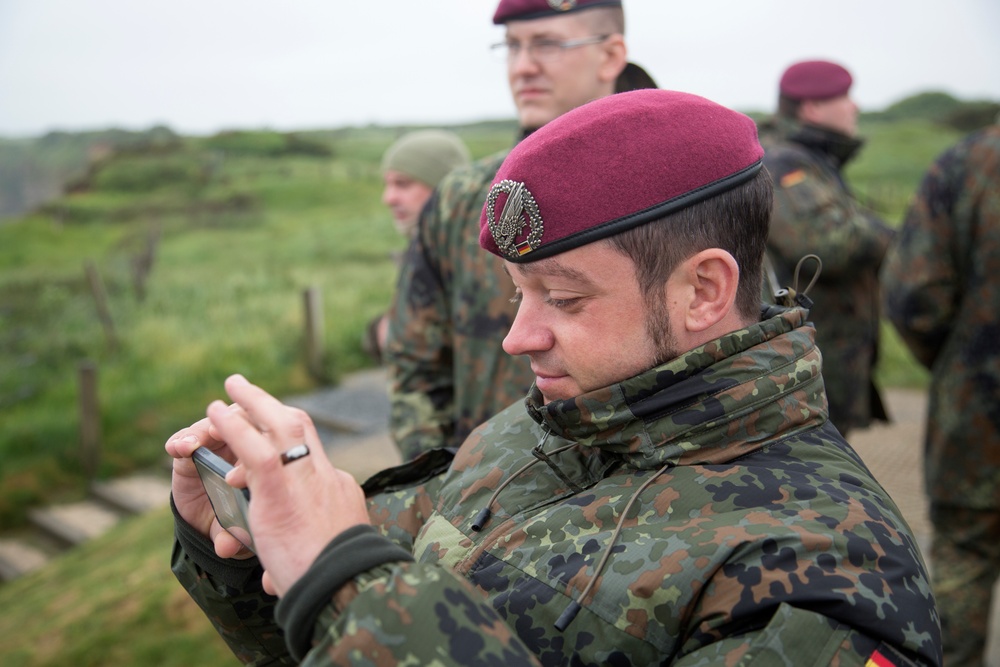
point(231, 505)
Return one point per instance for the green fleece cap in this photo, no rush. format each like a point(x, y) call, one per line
point(426, 155)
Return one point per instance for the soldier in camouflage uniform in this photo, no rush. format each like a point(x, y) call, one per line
point(411, 168)
point(807, 145)
point(448, 372)
point(673, 494)
point(942, 292)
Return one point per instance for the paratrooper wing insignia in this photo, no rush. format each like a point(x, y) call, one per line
point(518, 211)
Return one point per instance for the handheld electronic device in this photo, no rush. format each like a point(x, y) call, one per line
point(231, 505)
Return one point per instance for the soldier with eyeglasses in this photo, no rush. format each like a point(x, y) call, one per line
point(448, 372)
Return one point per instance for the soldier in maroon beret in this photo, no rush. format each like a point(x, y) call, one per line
point(807, 145)
point(818, 80)
point(448, 372)
point(670, 491)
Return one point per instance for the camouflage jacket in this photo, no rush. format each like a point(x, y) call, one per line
point(941, 285)
point(739, 527)
point(814, 213)
point(448, 372)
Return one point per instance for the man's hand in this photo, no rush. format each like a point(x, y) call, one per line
point(188, 491)
point(295, 508)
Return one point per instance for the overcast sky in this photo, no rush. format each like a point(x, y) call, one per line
point(204, 65)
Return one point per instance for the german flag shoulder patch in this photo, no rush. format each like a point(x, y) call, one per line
point(877, 659)
point(792, 178)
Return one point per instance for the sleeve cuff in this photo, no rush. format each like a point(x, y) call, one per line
point(228, 571)
point(351, 553)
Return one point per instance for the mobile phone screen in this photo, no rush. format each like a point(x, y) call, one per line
point(231, 505)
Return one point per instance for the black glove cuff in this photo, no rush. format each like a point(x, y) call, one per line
point(228, 571)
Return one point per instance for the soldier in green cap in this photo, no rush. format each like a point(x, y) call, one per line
point(411, 168)
point(670, 492)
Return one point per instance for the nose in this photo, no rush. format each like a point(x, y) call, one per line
point(529, 333)
point(521, 63)
point(388, 195)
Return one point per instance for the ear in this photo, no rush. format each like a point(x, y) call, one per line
point(615, 57)
point(809, 112)
point(706, 288)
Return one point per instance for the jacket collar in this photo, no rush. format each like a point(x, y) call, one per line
point(838, 147)
point(710, 405)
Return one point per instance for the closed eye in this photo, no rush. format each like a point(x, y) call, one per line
point(560, 303)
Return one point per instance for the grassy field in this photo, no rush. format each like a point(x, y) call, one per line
point(235, 250)
point(112, 601)
point(239, 235)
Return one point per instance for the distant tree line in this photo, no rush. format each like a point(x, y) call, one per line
point(942, 108)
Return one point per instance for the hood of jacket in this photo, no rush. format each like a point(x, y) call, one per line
point(713, 404)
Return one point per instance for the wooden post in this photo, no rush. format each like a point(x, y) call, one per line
point(314, 333)
point(101, 301)
point(90, 420)
point(142, 263)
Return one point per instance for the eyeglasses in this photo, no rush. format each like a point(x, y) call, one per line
point(542, 50)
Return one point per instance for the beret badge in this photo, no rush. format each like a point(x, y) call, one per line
point(520, 210)
point(562, 5)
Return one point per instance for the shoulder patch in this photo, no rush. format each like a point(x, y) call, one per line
point(876, 659)
point(792, 178)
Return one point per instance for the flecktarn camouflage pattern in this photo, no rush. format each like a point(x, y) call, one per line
point(815, 213)
point(942, 293)
point(448, 372)
point(941, 285)
point(753, 533)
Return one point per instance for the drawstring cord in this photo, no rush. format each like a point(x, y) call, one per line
point(574, 607)
point(485, 514)
point(791, 296)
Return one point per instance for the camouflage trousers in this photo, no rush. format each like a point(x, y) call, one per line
point(965, 564)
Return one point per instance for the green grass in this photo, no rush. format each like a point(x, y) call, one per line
point(237, 249)
point(893, 160)
point(112, 601)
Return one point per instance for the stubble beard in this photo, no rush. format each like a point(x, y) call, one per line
point(660, 332)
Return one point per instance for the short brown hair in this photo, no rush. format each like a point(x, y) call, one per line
point(736, 221)
point(788, 108)
point(605, 20)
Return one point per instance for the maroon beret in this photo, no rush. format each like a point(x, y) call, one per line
point(611, 165)
point(815, 80)
point(525, 10)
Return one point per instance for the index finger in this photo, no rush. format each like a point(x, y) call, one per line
point(265, 412)
point(248, 444)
